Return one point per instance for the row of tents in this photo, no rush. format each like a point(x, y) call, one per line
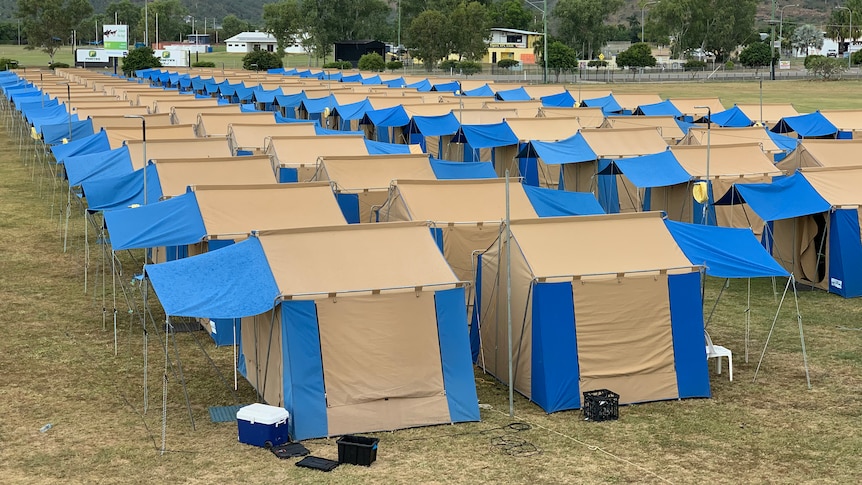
point(362, 327)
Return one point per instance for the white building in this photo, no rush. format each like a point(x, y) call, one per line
point(246, 42)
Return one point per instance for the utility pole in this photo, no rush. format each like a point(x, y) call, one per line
point(772, 44)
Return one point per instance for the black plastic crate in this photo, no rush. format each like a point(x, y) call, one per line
point(601, 405)
point(357, 450)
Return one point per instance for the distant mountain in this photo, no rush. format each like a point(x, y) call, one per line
point(251, 10)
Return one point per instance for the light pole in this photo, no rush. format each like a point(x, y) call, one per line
point(643, 9)
point(544, 10)
point(781, 25)
point(708, 148)
point(772, 44)
point(144, 146)
point(146, 23)
point(849, 35)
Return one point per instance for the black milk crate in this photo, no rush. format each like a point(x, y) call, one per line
point(357, 450)
point(601, 405)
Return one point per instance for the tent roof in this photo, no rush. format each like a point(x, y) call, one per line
point(523, 109)
point(807, 125)
point(667, 126)
point(117, 136)
point(304, 150)
point(537, 91)
point(562, 99)
point(120, 121)
point(189, 114)
point(355, 257)
point(838, 185)
point(486, 135)
point(734, 136)
point(726, 252)
point(597, 245)
point(374, 171)
point(831, 153)
point(733, 117)
point(724, 160)
point(177, 174)
point(556, 203)
point(216, 124)
point(624, 142)
point(445, 170)
point(439, 125)
point(173, 222)
point(239, 209)
point(783, 198)
point(631, 101)
point(571, 150)
point(428, 110)
point(514, 94)
point(177, 148)
point(544, 129)
point(661, 108)
point(772, 113)
point(608, 104)
point(686, 106)
point(587, 117)
point(656, 170)
point(244, 136)
point(463, 200)
point(844, 119)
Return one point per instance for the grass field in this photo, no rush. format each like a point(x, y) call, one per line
point(59, 367)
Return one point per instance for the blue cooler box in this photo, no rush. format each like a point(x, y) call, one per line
point(262, 425)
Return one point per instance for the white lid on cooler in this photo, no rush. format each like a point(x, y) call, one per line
point(262, 413)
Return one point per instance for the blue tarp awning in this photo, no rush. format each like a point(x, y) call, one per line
point(422, 86)
point(726, 252)
point(319, 105)
point(445, 170)
point(517, 94)
point(353, 78)
point(386, 117)
point(289, 100)
point(486, 136)
point(556, 203)
point(574, 149)
point(607, 103)
point(231, 282)
point(784, 198)
point(483, 90)
point(52, 134)
point(122, 191)
point(559, 100)
point(319, 130)
point(353, 111)
point(784, 142)
point(398, 82)
point(383, 148)
point(90, 144)
point(807, 125)
point(265, 96)
point(92, 166)
point(372, 80)
point(173, 222)
point(730, 118)
point(449, 87)
point(664, 108)
point(655, 170)
point(440, 125)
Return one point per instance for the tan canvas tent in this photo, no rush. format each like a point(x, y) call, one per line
point(731, 136)
point(823, 153)
point(468, 213)
point(84, 113)
point(177, 148)
point(117, 136)
point(587, 117)
point(175, 175)
point(591, 310)
point(844, 119)
point(216, 124)
point(165, 105)
point(631, 101)
point(189, 114)
point(120, 121)
point(689, 106)
point(296, 157)
point(252, 137)
point(667, 126)
point(769, 113)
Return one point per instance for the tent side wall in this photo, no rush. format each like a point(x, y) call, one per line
point(686, 319)
point(364, 363)
point(675, 200)
point(261, 339)
point(580, 177)
point(795, 245)
point(845, 253)
point(555, 348)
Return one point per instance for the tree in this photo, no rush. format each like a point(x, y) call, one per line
point(261, 61)
point(637, 56)
point(232, 25)
point(427, 37)
point(507, 63)
point(561, 58)
point(756, 55)
point(826, 68)
point(510, 14)
point(583, 22)
point(839, 23)
point(372, 62)
point(124, 12)
point(805, 37)
point(140, 58)
point(48, 23)
point(282, 20)
point(468, 30)
point(328, 21)
point(714, 26)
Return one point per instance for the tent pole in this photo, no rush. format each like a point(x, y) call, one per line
point(748, 318)
point(509, 299)
point(715, 305)
point(820, 249)
point(173, 336)
point(86, 248)
point(68, 215)
point(104, 252)
point(772, 328)
point(801, 337)
point(268, 350)
point(235, 363)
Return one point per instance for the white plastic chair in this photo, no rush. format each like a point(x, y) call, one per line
point(717, 351)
